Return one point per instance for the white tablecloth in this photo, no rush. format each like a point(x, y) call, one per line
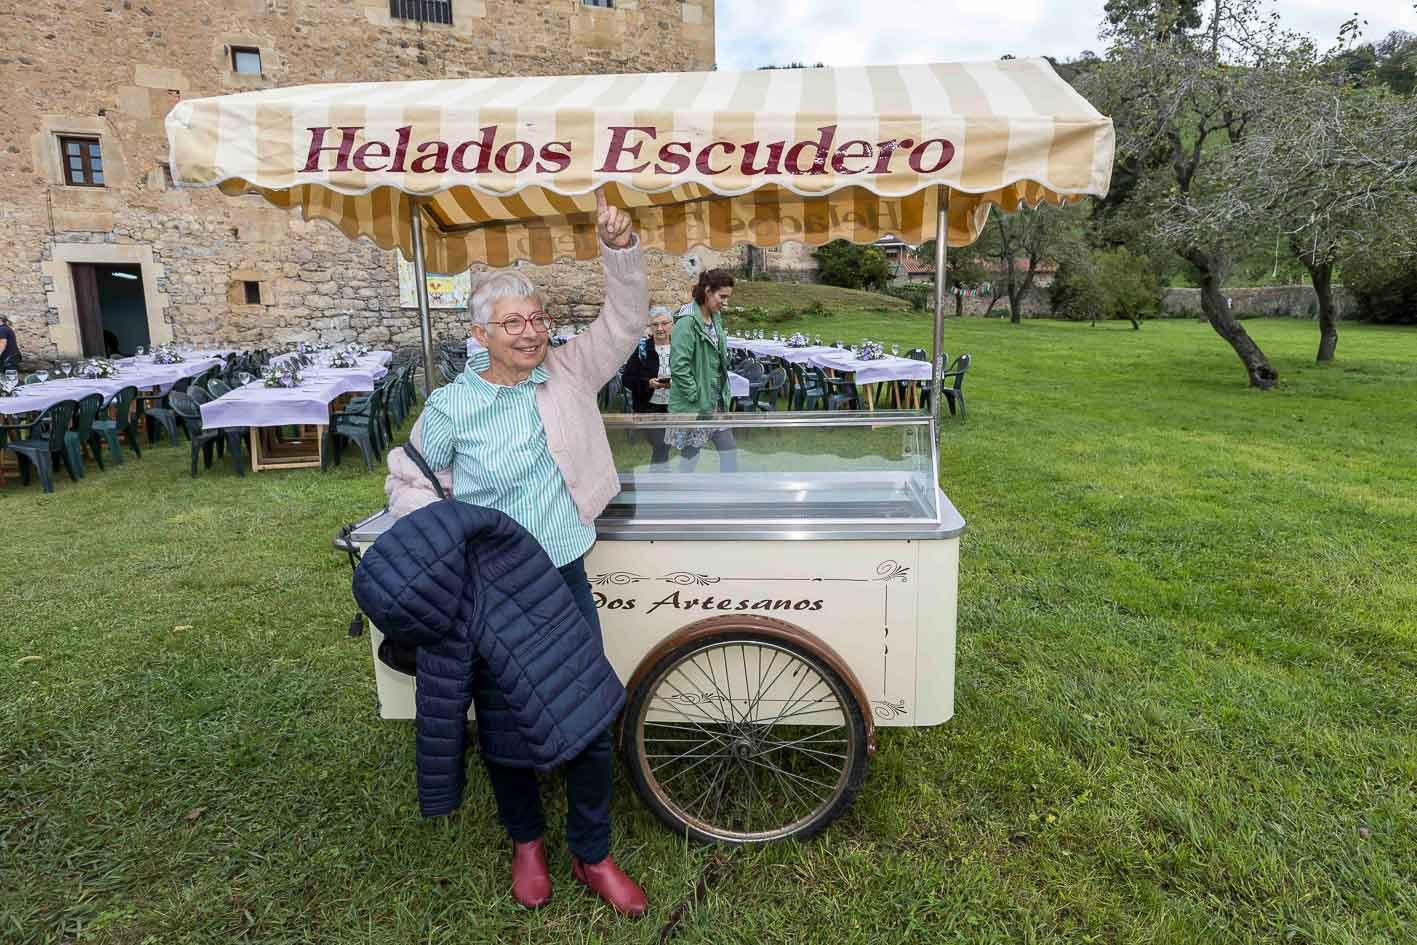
point(139, 373)
point(737, 385)
point(143, 374)
point(776, 349)
point(257, 405)
point(888, 368)
point(377, 358)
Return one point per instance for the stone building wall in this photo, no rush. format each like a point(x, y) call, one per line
point(1292, 301)
point(112, 69)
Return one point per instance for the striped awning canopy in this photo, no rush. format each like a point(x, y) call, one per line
point(507, 168)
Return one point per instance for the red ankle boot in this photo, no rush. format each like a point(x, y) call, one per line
point(610, 883)
point(531, 882)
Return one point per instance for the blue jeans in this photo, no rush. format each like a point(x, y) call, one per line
point(589, 776)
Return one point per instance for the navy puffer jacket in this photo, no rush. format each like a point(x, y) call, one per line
point(496, 626)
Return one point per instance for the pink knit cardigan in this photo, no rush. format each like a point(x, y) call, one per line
point(567, 400)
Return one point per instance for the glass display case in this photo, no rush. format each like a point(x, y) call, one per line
point(790, 475)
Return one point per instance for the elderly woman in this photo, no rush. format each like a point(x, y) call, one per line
point(646, 375)
point(521, 432)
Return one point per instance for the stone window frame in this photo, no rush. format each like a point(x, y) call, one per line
point(599, 4)
point(224, 49)
point(48, 157)
point(415, 11)
point(88, 172)
point(237, 288)
point(236, 50)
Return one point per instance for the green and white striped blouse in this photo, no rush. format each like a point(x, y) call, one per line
point(493, 438)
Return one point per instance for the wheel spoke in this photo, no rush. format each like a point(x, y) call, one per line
point(790, 774)
point(713, 681)
point(747, 752)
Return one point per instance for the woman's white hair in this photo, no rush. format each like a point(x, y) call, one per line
point(505, 284)
point(659, 310)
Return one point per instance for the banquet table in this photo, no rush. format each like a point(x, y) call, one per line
point(886, 369)
point(266, 410)
point(377, 358)
point(139, 373)
point(761, 347)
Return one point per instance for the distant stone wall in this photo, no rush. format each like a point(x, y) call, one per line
point(1290, 301)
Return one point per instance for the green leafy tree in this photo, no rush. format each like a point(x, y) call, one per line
point(845, 264)
point(1107, 284)
point(1161, 18)
point(964, 269)
point(1179, 102)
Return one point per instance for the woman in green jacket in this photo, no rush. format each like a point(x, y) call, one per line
point(699, 370)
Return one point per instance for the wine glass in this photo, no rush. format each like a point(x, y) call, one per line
point(12, 379)
point(817, 340)
point(139, 351)
point(243, 378)
point(42, 375)
point(895, 351)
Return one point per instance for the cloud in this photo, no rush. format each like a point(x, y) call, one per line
point(857, 32)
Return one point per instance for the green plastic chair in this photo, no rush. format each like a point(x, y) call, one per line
point(809, 390)
point(953, 391)
point(774, 386)
point(125, 421)
point(218, 387)
point(46, 439)
point(82, 434)
point(204, 440)
point(157, 410)
point(359, 422)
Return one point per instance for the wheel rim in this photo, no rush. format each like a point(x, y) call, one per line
point(747, 741)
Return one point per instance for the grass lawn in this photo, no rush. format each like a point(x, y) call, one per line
point(1186, 705)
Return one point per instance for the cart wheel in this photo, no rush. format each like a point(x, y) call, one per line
point(746, 736)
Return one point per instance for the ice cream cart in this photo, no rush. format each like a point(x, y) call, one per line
point(765, 619)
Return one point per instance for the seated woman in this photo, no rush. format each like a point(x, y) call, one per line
point(522, 433)
point(699, 370)
point(646, 376)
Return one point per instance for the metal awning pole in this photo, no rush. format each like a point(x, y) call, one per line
point(420, 275)
point(942, 235)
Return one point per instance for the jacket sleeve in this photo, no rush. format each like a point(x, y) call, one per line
point(685, 387)
point(443, 697)
point(636, 377)
point(595, 356)
point(405, 486)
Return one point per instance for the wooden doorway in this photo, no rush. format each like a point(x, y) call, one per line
point(109, 308)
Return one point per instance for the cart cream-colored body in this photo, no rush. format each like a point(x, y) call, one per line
point(831, 536)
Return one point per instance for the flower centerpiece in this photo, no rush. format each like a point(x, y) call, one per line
point(166, 354)
point(797, 340)
point(285, 374)
point(94, 368)
point(871, 351)
point(356, 349)
point(343, 359)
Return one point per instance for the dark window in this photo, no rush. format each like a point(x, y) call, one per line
point(422, 11)
point(253, 292)
point(607, 4)
point(245, 60)
point(83, 161)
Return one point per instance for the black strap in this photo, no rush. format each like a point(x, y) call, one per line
point(412, 452)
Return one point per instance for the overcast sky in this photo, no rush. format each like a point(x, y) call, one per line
point(754, 33)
